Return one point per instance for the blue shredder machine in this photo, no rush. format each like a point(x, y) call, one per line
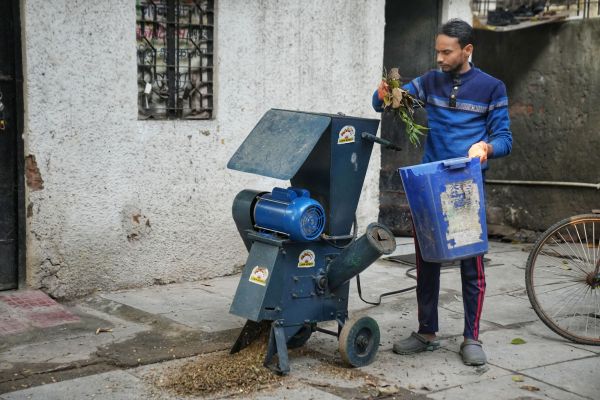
point(302, 242)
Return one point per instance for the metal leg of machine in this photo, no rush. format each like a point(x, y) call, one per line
point(277, 345)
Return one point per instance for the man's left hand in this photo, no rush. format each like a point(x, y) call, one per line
point(481, 150)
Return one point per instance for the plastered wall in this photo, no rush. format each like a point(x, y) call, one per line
point(115, 202)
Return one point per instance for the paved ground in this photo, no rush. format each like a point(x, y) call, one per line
point(119, 345)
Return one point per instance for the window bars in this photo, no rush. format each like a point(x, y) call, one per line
point(175, 44)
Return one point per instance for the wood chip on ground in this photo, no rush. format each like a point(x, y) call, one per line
point(242, 372)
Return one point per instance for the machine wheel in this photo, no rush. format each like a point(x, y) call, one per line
point(359, 341)
point(300, 338)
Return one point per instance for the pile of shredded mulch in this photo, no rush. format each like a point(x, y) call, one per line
point(242, 372)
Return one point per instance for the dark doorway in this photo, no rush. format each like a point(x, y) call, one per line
point(410, 29)
point(11, 147)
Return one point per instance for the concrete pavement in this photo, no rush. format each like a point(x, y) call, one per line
point(148, 332)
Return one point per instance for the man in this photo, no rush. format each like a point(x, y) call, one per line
point(468, 116)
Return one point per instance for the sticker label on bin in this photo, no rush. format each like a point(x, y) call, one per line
point(460, 206)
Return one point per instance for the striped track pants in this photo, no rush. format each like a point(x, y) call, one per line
point(428, 292)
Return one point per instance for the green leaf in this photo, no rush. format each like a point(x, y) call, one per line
point(517, 341)
point(531, 388)
point(518, 378)
point(405, 113)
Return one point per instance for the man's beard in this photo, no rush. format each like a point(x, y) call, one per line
point(455, 70)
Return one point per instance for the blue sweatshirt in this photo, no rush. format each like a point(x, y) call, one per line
point(478, 112)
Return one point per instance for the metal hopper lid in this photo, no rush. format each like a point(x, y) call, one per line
point(279, 144)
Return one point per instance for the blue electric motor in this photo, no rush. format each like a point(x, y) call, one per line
point(291, 212)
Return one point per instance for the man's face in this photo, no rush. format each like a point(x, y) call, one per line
point(450, 57)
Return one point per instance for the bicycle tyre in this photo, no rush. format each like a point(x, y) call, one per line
point(573, 258)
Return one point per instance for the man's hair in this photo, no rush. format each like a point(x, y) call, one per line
point(457, 28)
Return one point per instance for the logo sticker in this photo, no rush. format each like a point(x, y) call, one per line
point(259, 275)
point(347, 134)
point(306, 259)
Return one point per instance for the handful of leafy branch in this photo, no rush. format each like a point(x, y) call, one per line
point(401, 103)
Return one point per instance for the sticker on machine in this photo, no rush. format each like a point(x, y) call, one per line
point(460, 207)
point(347, 134)
point(306, 259)
point(259, 275)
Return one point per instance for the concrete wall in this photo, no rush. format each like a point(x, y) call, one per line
point(553, 79)
point(457, 9)
point(114, 202)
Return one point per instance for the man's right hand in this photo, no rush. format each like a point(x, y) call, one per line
point(382, 89)
point(481, 150)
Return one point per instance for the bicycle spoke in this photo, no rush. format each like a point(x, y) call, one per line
point(596, 253)
point(560, 299)
point(574, 304)
point(581, 256)
point(560, 288)
point(558, 281)
point(572, 252)
point(561, 258)
point(589, 306)
point(561, 271)
point(560, 263)
point(586, 247)
point(592, 312)
point(568, 302)
point(587, 317)
point(583, 251)
point(592, 246)
point(589, 247)
point(566, 255)
point(580, 306)
point(550, 251)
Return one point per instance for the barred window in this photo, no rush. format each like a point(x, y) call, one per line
point(175, 59)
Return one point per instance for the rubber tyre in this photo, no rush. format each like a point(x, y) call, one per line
point(529, 268)
point(359, 341)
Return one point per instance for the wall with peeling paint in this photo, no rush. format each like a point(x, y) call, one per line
point(552, 76)
point(114, 202)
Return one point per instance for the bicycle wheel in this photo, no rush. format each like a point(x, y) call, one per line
point(563, 279)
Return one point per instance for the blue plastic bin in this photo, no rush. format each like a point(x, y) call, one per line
point(446, 200)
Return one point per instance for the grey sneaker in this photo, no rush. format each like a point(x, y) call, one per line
point(415, 343)
point(472, 353)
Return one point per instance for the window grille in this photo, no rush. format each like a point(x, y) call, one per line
point(175, 44)
point(571, 8)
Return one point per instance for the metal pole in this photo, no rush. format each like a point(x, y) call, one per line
point(543, 183)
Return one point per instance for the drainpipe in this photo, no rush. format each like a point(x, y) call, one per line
point(543, 183)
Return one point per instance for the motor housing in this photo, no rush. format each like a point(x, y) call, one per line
point(290, 212)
